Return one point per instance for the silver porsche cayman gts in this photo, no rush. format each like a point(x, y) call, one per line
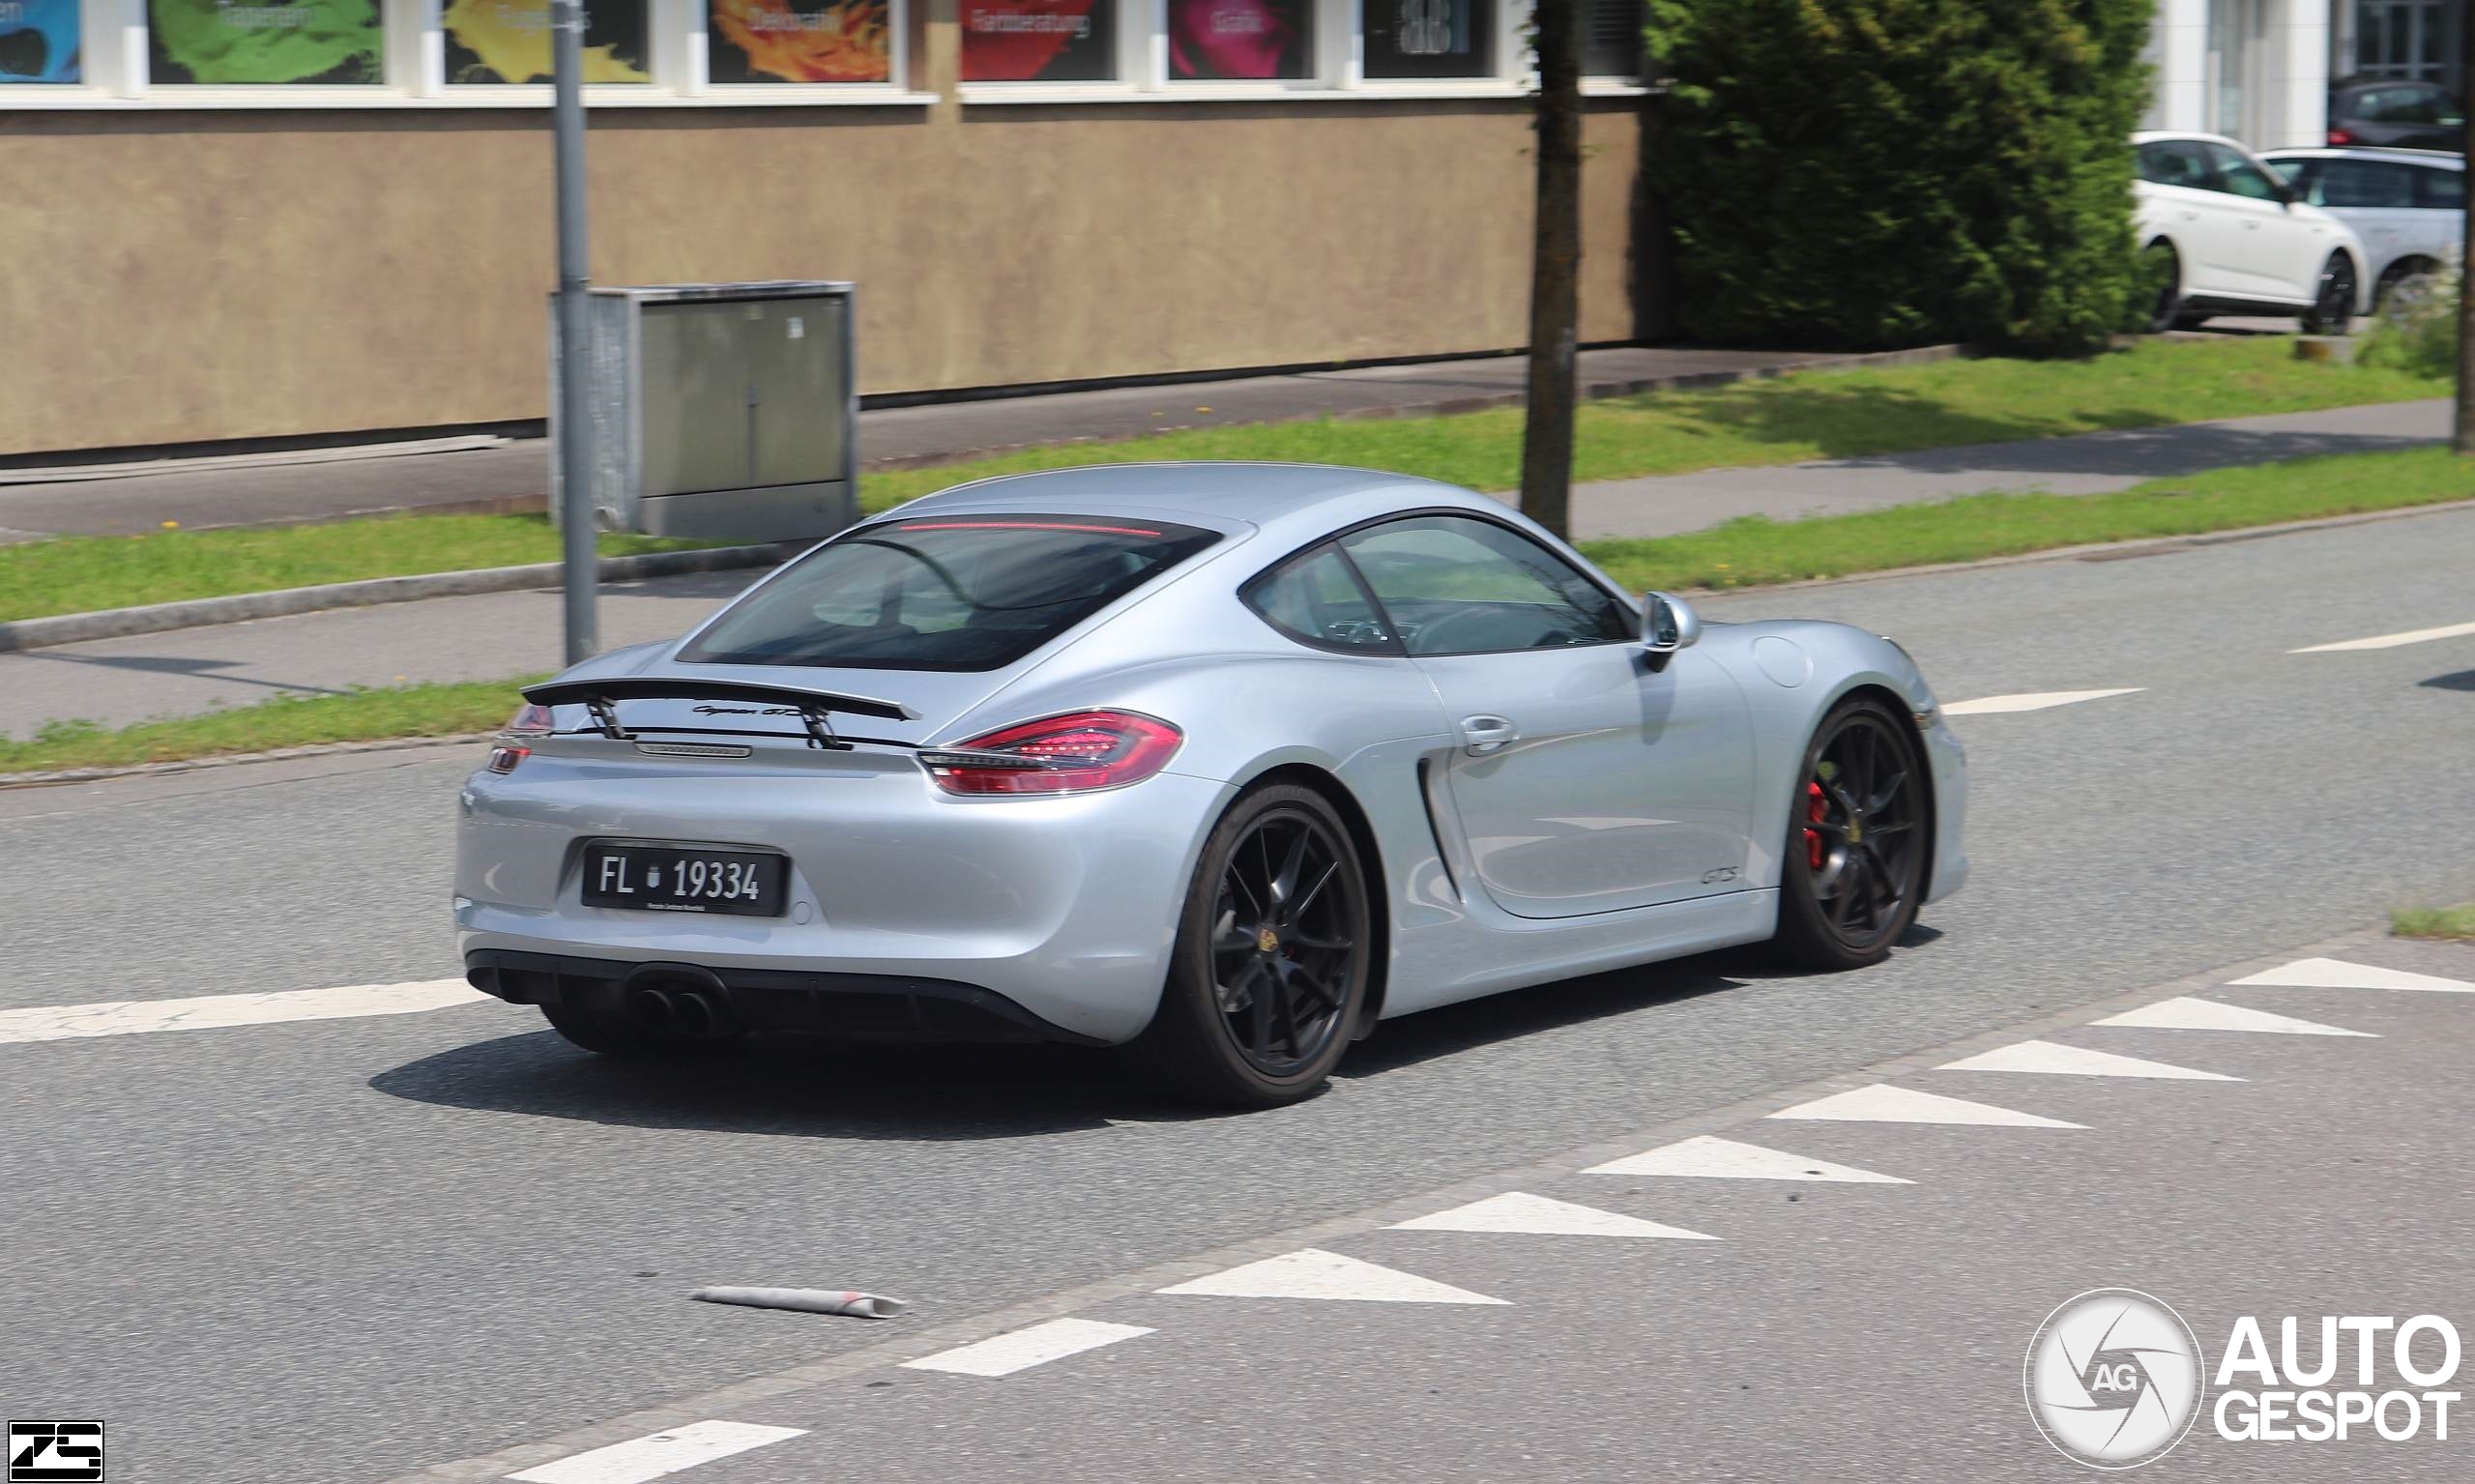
point(1218, 763)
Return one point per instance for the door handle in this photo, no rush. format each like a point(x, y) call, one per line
point(1482, 734)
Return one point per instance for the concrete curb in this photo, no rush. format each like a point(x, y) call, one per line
point(1595, 391)
point(9, 780)
point(241, 607)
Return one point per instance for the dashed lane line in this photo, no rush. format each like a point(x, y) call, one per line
point(2390, 641)
point(1314, 1274)
point(1707, 1156)
point(2184, 1012)
point(1525, 1214)
point(1020, 1349)
point(2337, 974)
point(2031, 701)
point(126, 1017)
point(652, 1457)
point(1883, 1103)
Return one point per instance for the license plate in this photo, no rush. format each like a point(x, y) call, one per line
point(679, 878)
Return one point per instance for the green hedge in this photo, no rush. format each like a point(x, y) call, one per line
point(1866, 174)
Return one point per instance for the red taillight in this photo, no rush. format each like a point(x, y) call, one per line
point(529, 720)
point(504, 759)
point(1058, 755)
point(2340, 137)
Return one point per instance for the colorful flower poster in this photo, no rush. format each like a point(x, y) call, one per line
point(1038, 41)
point(781, 40)
point(279, 41)
point(509, 40)
point(38, 41)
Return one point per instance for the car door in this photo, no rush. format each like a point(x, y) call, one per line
point(2273, 253)
point(2376, 199)
point(2180, 184)
point(2440, 212)
point(1585, 780)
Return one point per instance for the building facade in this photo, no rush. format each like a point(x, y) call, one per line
point(231, 219)
point(2260, 70)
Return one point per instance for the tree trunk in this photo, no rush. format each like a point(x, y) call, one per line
point(1546, 438)
point(2464, 437)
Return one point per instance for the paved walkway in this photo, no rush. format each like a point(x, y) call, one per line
point(330, 485)
point(115, 682)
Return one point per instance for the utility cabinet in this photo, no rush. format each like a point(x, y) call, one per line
point(721, 411)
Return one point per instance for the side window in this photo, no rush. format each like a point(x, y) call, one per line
point(1315, 598)
point(2364, 182)
point(2441, 190)
point(2176, 163)
point(2240, 177)
point(1456, 584)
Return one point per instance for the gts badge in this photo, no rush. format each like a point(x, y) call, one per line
point(1722, 873)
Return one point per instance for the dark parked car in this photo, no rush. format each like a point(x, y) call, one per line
point(2403, 115)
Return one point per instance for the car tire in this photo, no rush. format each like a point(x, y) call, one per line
point(2335, 308)
point(611, 1033)
point(2164, 271)
point(1269, 970)
point(1859, 835)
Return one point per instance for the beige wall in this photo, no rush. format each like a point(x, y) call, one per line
point(185, 277)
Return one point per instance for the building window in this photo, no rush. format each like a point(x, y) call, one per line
point(331, 41)
point(785, 40)
point(1040, 40)
point(509, 40)
point(1430, 37)
point(1612, 38)
point(1241, 39)
point(38, 41)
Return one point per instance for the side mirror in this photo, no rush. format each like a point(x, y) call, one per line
point(1669, 623)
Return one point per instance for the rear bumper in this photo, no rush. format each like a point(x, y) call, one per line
point(845, 1006)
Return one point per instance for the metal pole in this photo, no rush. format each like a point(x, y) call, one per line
point(578, 525)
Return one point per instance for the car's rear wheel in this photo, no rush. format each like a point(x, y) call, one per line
point(2164, 271)
point(1271, 966)
point(2334, 308)
point(1854, 871)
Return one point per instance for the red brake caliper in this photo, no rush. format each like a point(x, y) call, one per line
point(1813, 815)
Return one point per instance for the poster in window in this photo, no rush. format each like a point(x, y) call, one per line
point(801, 40)
point(38, 41)
point(1040, 40)
point(334, 42)
point(1239, 40)
point(509, 40)
point(1429, 38)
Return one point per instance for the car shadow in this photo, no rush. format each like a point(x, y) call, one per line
point(808, 1090)
point(2460, 680)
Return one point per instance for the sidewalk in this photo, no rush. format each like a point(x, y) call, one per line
point(507, 474)
point(114, 682)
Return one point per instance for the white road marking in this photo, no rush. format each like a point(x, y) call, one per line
point(1883, 1103)
point(1313, 1273)
point(1539, 1216)
point(2074, 1061)
point(2390, 641)
point(2336, 974)
point(2031, 701)
point(652, 1457)
point(1712, 1158)
point(2184, 1013)
point(1023, 1349)
point(124, 1017)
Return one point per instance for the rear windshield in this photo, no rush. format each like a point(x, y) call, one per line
point(944, 593)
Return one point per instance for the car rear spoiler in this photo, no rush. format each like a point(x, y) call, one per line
point(812, 707)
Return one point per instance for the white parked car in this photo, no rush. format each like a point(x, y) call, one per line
point(2227, 235)
point(2408, 206)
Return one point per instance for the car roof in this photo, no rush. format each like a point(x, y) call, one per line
point(2446, 159)
point(2363, 80)
point(2160, 136)
point(1252, 492)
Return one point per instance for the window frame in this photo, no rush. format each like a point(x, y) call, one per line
point(1391, 649)
point(1623, 600)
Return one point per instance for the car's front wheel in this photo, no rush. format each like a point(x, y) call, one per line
point(1855, 872)
point(2333, 308)
point(1271, 962)
point(2162, 271)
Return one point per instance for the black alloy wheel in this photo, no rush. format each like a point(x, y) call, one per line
point(1271, 960)
point(2334, 308)
point(2165, 272)
point(1856, 840)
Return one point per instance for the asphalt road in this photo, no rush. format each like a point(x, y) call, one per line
point(309, 1252)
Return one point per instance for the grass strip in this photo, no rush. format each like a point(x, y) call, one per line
point(1753, 551)
point(364, 715)
point(2451, 922)
point(1815, 414)
point(1776, 421)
